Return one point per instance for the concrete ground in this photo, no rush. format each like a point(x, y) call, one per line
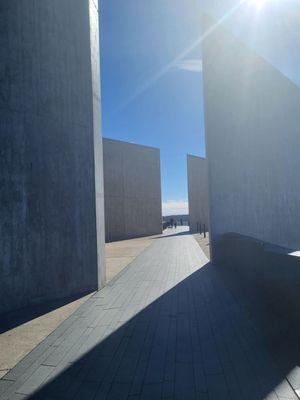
point(23, 330)
point(203, 243)
point(167, 327)
point(119, 254)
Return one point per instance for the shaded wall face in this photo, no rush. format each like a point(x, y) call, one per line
point(252, 117)
point(50, 151)
point(198, 192)
point(132, 186)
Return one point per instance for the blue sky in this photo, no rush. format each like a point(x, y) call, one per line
point(152, 83)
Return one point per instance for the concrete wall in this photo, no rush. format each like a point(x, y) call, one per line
point(266, 274)
point(51, 151)
point(252, 118)
point(132, 186)
point(198, 192)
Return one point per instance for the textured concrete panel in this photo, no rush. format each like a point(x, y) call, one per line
point(271, 274)
point(252, 117)
point(51, 151)
point(198, 192)
point(132, 186)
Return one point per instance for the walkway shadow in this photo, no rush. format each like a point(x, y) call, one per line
point(172, 235)
point(19, 317)
point(280, 331)
point(196, 341)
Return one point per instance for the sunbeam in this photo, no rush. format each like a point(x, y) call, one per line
point(152, 80)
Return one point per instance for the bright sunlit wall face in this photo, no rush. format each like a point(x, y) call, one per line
point(252, 135)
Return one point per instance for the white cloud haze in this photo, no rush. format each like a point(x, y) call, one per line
point(175, 207)
point(192, 65)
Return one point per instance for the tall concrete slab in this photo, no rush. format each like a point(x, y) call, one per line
point(132, 184)
point(51, 208)
point(198, 192)
point(252, 119)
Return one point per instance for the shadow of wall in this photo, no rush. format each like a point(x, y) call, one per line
point(269, 271)
point(195, 341)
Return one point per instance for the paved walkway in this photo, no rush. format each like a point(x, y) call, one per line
point(165, 328)
point(22, 330)
point(120, 254)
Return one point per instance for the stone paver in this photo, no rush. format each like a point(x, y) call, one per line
point(166, 327)
point(120, 254)
point(23, 330)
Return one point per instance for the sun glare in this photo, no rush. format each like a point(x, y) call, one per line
point(257, 3)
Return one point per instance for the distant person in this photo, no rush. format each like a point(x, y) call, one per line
point(181, 222)
point(175, 224)
point(172, 222)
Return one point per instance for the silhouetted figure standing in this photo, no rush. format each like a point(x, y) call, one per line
point(175, 224)
point(172, 222)
point(181, 222)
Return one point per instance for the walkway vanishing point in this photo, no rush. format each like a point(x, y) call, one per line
point(169, 326)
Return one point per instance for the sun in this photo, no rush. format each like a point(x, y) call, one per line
point(257, 3)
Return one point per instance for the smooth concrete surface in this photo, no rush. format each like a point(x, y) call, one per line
point(198, 192)
point(252, 119)
point(51, 207)
point(169, 327)
point(132, 184)
point(268, 271)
